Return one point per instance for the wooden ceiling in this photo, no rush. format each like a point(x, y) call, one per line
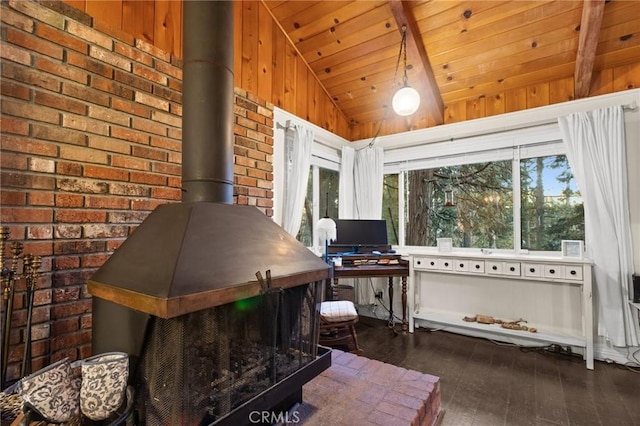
point(456, 50)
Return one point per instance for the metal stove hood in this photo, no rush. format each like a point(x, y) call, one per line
point(190, 256)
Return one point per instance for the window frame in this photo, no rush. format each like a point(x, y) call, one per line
point(538, 141)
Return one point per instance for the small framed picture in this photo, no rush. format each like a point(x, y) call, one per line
point(445, 244)
point(573, 249)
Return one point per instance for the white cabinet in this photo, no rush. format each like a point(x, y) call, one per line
point(553, 295)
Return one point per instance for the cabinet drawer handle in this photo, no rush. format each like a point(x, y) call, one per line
point(494, 267)
point(462, 265)
point(532, 269)
point(446, 263)
point(512, 269)
point(419, 262)
point(552, 271)
point(573, 272)
point(432, 263)
point(477, 266)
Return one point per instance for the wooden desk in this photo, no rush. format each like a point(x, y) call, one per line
point(350, 269)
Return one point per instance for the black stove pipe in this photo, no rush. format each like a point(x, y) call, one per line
point(207, 109)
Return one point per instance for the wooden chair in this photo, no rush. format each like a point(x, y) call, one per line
point(337, 325)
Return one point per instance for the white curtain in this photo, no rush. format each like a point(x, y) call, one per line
point(297, 151)
point(360, 195)
point(346, 189)
point(596, 147)
point(368, 176)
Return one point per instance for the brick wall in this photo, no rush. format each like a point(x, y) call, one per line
point(90, 145)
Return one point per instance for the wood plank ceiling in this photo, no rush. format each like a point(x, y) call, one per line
point(456, 50)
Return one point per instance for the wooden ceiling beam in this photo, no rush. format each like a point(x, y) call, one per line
point(592, 12)
point(403, 15)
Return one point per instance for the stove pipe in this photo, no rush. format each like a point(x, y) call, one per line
point(207, 111)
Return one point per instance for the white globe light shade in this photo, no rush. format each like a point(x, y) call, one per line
point(406, 101)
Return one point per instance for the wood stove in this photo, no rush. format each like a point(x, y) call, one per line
point(209, 342)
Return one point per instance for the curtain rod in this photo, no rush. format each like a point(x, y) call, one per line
point(630, 107)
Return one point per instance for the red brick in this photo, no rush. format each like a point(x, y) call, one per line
point(89, 64)
point(83, 155)
point(66, 262)
point(17, 20)
point(149, 126)
point(14, 90)
point(167, 169)
point(168, 69)
point(82, 186)
point(27, 181)
point(148, 178)
point(72, 340)
point(66, 294)
point(129, 135)
point(133, 53)
point(30, 111)
point(85, 93)
point(69, 200)
point(152, 50)
point(129, 162)
point(166, 143)
point(30, 77)
point(16, 54)
point(68, 231)
point(168, 119)
point(13, 198)
point(129, 190)
point(19, 214)
point(44, 232)
point(103, 230)
point(85, 124)
point(131, 107)
point(89, 34)
point(69, 169)
point(107, 114)
point(60, 102)
point(149, 153)
point(41, 199)
point(167, 93)
point(58, 134)
point(33, 43)
point(66, 325)
point(132, 80)
point(106, 203)
point(107, 173)
point(166, 193)
point(14, 125)
point(149, 73)
point(62, 38)
point(109, 144)
point(152, 101)
point(62, 70)
point(110, 58)
point(110, 86)
point(148, 205)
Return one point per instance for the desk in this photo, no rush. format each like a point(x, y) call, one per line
point(351, 269)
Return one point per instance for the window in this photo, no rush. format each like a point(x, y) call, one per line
point(390, 211)
point(323, 189)
point(471, 203)
point(509, 197)
point(552, 208)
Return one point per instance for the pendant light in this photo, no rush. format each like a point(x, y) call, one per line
point(406, 100)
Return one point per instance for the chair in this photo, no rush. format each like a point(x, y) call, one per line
point(337, 325)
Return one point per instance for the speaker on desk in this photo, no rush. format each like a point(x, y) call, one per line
point(636, 288)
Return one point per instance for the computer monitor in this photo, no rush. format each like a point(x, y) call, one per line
point(360, 232)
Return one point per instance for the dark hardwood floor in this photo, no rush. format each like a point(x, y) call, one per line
point(484, 383)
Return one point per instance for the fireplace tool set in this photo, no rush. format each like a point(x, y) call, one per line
point(9, 277)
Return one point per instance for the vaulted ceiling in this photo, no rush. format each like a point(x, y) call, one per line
point(456, 50)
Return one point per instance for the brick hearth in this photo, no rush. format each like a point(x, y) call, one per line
point(359, 390)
